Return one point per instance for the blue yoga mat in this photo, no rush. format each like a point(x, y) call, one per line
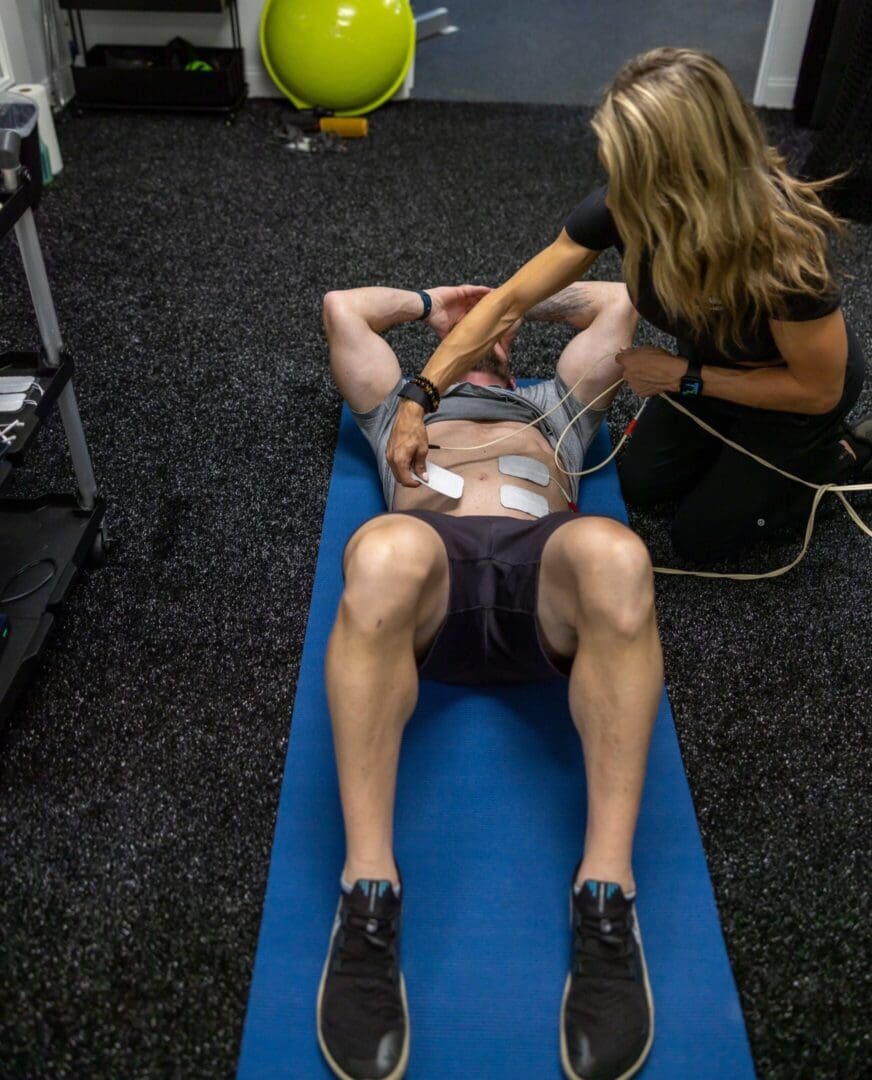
point(489, 827)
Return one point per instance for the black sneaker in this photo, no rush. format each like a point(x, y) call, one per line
point(607, 1015)
point(363, 1017)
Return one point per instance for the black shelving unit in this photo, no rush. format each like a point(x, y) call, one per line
point(147, 82)
point(44, 543)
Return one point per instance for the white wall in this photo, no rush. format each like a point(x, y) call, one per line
point(776, 83)
point(782, 53)
point(18, 46)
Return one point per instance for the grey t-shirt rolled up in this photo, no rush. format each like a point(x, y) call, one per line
point(465, 401)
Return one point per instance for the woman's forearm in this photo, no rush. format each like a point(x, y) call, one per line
point(545, 274)
point(470, 340)
point(765, 388)
point(651, 370)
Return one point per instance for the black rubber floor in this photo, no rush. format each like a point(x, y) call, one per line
point(140, 777)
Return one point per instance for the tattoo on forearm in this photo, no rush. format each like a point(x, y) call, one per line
point(562, 307)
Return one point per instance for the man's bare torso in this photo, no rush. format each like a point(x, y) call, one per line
point(480, 468)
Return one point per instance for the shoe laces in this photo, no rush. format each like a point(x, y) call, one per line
point(367, 947)
point(603, 946)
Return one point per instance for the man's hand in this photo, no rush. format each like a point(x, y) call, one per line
point(407, 447)
point(650, 370)
point(451, 303)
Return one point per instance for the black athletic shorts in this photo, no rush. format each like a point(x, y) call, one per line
point(490, 633)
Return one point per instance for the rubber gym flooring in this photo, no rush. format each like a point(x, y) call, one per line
point(140, 775)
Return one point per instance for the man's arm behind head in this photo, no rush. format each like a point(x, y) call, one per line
point(364, 367)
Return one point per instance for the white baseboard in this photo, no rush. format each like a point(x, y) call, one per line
point(259, 82)
point(779, 93)
point(782, 53)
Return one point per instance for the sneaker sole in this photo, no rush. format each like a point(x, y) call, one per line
point(568, 1070)
point(337, 1070)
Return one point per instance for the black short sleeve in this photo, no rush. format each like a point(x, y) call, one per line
point(803, 307)
point(591, 223)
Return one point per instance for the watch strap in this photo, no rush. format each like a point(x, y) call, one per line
point(428, 303)
point(691, 381)
point(418, 394)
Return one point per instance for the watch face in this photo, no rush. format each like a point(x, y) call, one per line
point(691, 386)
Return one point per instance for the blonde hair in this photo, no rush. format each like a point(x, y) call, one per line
point(693, 182)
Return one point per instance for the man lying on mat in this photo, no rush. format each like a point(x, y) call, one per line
point(499, 582)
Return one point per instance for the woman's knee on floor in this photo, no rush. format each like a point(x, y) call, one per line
point(638, 484)
point(706, 534)
point(388, 564)
point(645, 482)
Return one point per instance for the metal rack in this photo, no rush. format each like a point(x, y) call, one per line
point(45, 542)
point(222, 90)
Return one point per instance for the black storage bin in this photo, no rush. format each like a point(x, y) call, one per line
point(157, 85)
point(155, 77)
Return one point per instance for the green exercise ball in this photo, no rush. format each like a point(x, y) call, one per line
point(349, 56)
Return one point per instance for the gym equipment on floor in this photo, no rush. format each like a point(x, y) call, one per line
point(44, 542)
point(345, 56)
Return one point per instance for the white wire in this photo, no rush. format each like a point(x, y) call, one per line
point(819, 489)
point(538, 420)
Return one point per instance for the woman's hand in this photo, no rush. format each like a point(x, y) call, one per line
point(407, 447)
point(649, 370)
point(451, 303)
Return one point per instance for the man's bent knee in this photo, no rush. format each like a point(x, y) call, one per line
point(389, 563)
point(612, 572)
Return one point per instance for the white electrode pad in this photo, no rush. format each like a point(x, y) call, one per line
point(515, 498)
point(443, 480)
point(526, 468)
point(15, 384)
point(11, 402)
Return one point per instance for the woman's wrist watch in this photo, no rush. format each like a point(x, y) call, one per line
point(423, 391)
point(691, 381)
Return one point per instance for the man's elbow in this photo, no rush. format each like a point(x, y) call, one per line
point(333, 305)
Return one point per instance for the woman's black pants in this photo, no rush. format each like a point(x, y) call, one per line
point(725, 499)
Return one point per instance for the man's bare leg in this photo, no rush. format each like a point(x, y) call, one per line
point(596, 603)
point(395, 597)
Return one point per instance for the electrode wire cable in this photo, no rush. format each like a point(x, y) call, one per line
point(819, 489)
point(538, 420)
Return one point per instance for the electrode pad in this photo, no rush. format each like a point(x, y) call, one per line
point(526, 468)
point(515, 498)
point(443, 480)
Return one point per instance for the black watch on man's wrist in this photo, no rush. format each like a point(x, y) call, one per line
point(691, 380)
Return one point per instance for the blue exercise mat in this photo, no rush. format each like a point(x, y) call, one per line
point(489, 827)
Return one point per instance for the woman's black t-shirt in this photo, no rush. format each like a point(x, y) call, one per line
point(592, 226)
